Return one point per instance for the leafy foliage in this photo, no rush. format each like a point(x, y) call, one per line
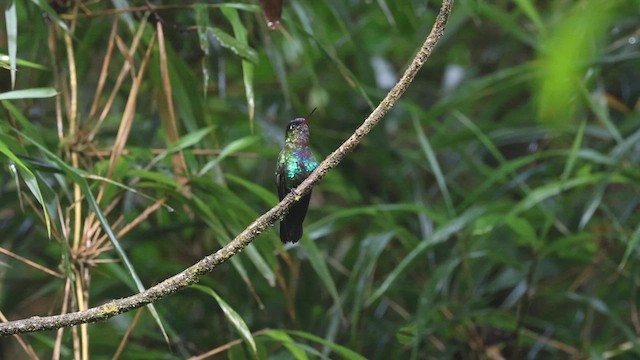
point(494, 212)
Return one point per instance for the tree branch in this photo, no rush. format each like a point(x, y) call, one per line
point(192, 274)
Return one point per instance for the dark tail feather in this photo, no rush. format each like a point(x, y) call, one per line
point(291, 225)
point(290, 233)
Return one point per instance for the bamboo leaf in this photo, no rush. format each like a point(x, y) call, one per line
point(234, 318)
point(34, 93)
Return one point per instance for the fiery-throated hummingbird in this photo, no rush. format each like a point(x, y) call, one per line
point(295, 163)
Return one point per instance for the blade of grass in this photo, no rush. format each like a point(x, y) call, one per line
point(234, 318)
point(202, 22)
point(35, 93)
point(435, 167)
point(554, 188)
point(632, 244)
point(30, 181)
point(575, 148)
point(233, 147)
point(443, 233)
point(319, 264)
point(370, 250)
point(530, 10)
point(339, 349)
point(598, 105)
point(11, 20)
point(286, 340)
point(19, 62)
point(247, 67)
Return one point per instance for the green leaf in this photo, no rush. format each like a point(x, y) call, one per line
point(442, 234)
point(526, 233)
point(30, 181)
point(202, 22)
point(190, 139)
point(632, 245)
point(237, 47)
point(552, 189)
point(11, 19)
point(233, 147)
point(34, 93)
point(407, 334)
point(530, 10)
point(575, 149)
point(435, 167)
point(247, 67)
point(77, 176)
point(267, 196)
point(320, 266)
point(581, 246)
point(286, 340)
point(341, 350)
point(20, 62)
point(234, 318)
point(261, 264)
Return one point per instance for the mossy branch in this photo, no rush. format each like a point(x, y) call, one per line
point(192, 274)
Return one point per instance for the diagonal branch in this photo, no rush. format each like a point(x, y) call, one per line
point(192, 274)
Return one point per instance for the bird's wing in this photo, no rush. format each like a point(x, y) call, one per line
point(281, 182)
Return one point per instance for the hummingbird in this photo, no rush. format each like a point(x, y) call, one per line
point(295, 163)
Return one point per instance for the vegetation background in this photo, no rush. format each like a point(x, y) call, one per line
point(493, 213)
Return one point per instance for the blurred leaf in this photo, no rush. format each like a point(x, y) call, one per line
point(526, 234)
point(580, 246)
point(286, 340)
point(340, 350)
point(240, 6)
point(368, 255)
point(442, 234)
point(268, 196)
point(30, 181)
point(632, 245)
point(231, 43)
point(51, 14)
point(233, 147)
point(5, 61)
point(532, 13)
point(186, 141)
point(320, 266)
point(564, 57)
point(261, 264)
point(11, 20)
point(28, 94)
point(506, 20)
point(234, 318)
point(435, 167)
point(77, 176)
point(552, 189)
point(407, 334)
point(597, 103)
point(247, 68)
point(577, 143)
point(202, 22)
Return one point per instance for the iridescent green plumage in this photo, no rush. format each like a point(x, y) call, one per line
point(295, 163)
